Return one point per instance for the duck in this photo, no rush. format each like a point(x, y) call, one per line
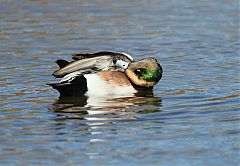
point(106, 73)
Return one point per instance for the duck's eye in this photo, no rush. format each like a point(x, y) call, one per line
point(139, 72)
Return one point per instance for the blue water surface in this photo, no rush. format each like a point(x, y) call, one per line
point(192, 118)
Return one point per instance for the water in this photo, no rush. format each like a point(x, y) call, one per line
point(192, 118)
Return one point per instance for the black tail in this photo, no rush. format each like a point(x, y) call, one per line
point(77, 86)
point(62, 63)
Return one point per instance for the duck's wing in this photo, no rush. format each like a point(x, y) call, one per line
point(92, 62)
point(85, 65)
point(83, 55)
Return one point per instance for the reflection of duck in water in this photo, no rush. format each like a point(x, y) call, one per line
point(81, 106)
point(106, 73)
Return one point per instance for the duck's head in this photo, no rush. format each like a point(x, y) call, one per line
point(144, 73)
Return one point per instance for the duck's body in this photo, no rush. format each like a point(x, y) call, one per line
point(106, 73)
point(109, 83)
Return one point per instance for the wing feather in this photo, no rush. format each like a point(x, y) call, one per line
point(84, 55)
point(95, 63)
point(89, 62)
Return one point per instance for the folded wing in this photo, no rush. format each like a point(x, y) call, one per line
point(89, 62)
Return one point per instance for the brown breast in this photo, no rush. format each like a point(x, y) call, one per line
point(115, 77)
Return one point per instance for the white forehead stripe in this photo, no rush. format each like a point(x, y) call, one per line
point(128, 56)
point(122, 64)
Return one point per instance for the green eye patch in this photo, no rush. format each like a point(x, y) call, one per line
point(150, 75)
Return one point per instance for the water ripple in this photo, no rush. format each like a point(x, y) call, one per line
point(191, 119)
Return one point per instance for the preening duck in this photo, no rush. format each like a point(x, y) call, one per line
point(106, 73)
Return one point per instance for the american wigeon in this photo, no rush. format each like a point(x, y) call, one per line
point(106, 73)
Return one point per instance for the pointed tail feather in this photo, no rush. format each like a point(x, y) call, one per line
point(62, 63)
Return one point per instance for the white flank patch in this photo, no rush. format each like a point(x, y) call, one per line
point(70, 77)
point(99, 87)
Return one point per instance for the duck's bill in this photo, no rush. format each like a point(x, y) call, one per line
point(122, 64)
